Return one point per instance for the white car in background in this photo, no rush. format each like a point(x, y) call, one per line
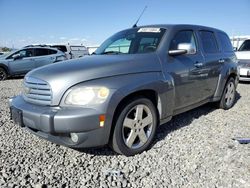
point(72, 51)
point(243, 55)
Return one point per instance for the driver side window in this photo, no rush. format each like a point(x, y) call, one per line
point(23, 53)
point(184, 40)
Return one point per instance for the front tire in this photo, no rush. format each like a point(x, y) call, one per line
point(135, 127)
point(3, 74)
point(228, 97)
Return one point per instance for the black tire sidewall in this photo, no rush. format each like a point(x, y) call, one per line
point(223, 104)
point(1, 69)
point(118, 137)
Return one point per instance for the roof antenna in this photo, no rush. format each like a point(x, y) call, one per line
point(135, 25)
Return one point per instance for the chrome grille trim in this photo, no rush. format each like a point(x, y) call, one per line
point(37, 91)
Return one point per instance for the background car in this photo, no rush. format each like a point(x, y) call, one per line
point(243, 55)
point(72, 51)
point(22, 61)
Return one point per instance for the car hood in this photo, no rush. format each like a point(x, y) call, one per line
point(61, 76)
point(243, 54)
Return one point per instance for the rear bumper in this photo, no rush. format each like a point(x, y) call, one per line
point(57, 124)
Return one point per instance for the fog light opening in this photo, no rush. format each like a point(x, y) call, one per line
point(74, 137)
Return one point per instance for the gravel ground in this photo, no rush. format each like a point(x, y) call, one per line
point(195, 149)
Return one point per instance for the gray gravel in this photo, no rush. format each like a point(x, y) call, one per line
point(195, 149)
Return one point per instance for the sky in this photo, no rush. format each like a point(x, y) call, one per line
point(90, 22)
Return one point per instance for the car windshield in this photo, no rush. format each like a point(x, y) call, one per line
point(132, 41)
point(245, 46)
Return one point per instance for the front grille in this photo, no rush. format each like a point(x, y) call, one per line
point(37, 91)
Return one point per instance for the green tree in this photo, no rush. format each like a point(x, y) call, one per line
point(5, 49)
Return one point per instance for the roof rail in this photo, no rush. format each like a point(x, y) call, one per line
point(37, 45)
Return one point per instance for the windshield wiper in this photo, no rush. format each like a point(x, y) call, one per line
point(112, 52)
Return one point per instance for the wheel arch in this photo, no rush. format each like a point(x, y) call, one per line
point(150, 94)
point(225, 75)
point(5, 68)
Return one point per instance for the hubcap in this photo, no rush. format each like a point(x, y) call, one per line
point(230, 93)
point(137, 126)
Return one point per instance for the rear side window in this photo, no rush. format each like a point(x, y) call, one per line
point(209, 42)
point(184, 38)
point(41, 52)
point(225, 42)
point(52, 51)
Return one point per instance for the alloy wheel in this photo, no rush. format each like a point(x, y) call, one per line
point(137, 126)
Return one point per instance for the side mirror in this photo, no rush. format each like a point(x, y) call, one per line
point(176, 52)
point(186, 46)
point(17, 56)
point(235, 49)
point(182, 48)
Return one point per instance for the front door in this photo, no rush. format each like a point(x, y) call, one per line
point(186, 70)
point(23, 63)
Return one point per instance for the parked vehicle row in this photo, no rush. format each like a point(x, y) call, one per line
point(138, 79)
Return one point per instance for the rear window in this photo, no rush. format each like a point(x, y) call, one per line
point(245, 46)
point(41, 52)
point(60, 47)
point(78, 48)
point(209, 42)
point(225, 42)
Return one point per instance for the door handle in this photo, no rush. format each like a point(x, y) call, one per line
point(197, 64)
point(221, 60)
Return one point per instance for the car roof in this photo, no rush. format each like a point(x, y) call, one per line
point(44, 47)
point(179, 26)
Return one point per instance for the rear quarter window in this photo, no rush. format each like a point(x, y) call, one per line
point(41, 52)
point(225, 42)
point(209, 42)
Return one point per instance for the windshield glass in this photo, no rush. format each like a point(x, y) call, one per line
point(245, 46)
point(132, 41)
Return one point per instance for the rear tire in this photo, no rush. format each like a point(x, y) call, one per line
point(3, 74)
point(228, 97)
point(135, 127)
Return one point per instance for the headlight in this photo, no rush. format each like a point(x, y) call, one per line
point(87, 95)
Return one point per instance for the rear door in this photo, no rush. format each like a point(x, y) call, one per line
point(23, 64)
point(213, 60)
point(44, 56)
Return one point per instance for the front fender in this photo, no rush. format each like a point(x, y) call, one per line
point(125, 85)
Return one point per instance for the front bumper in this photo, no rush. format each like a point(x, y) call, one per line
point(58, 123)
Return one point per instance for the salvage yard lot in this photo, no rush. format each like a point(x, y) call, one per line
point(195, 149)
